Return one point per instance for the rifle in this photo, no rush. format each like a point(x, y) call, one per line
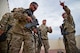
point(35, 21)
point(39, 37)
point(33, 24)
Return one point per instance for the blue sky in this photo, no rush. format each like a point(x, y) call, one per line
point(51, 11)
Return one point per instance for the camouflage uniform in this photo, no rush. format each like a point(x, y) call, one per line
point(3, 47)
point(20, 33)
point(69, 26)
point(7, 20)
point(44, 30)
point(35, 41)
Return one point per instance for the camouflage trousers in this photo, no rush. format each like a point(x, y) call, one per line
point(36, 43)
point(45, 43)
point(3, 47)
point(70, 43)
point(16, 42)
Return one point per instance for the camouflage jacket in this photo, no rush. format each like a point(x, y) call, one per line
point(69, 24)
point(7, 19)
point(44, 31)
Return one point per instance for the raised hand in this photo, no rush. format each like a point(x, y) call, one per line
point(61, 3)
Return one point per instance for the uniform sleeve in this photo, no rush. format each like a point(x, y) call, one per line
point(4, 20)
point(65, 25)
point(11, 21)
point(49, 29)
point(20, 16)
point(70, 18)
point(66, 9)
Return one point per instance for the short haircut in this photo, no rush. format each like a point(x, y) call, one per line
point(44, 20)
point(34, 3)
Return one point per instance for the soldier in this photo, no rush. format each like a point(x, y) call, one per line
point(68, 30)
point(44, 36)
point(30, 11)
point(20, 33)
point(6, 23)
